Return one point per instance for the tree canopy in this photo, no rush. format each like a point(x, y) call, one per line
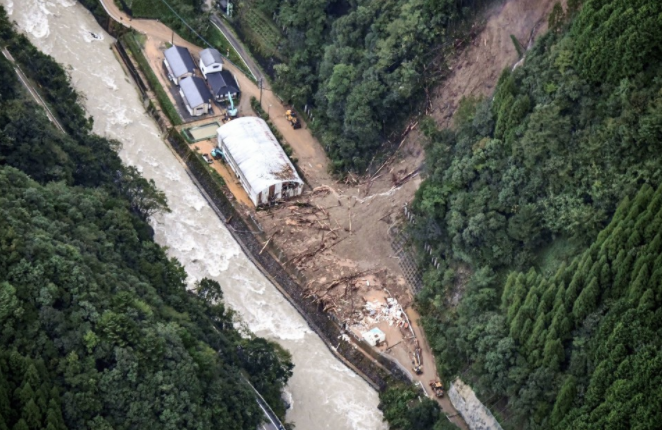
point(362, 65)
point(542, 210)
point(97, 328)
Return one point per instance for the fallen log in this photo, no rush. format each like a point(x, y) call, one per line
point(407, 177)
point(345, 279)
point(403, 136)
point(267, 243)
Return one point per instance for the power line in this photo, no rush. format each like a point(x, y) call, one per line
point(186, 24)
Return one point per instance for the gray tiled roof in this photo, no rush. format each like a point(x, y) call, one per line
point(180, 60)
point(222, 83)
point(210, 56)
point(195, 91)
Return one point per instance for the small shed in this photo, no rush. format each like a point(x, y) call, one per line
point(374, 337)
point(222, 83)
point(211, 61)
point(257, 159)
point(179, 63)
point(197, 97)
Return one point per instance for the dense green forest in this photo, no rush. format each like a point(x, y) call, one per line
point(97, 328)
point(362, 65)
point(558, 322)
point(189, 10)
point(581, 348)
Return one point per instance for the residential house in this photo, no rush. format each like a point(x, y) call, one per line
point(221, 84)
point(196, 95)
point(211, 61)
point(178, 63)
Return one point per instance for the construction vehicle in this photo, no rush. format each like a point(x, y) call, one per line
point(437, 388)
point(418, 368)
point(291, 116)
point(233, 110)
point(217, 154)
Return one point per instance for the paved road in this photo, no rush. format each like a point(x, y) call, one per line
point(37, 98)
point(222, 26)
point(273, 422)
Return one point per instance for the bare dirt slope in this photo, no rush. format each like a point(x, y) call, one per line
point(343, 229)
point(477, 69)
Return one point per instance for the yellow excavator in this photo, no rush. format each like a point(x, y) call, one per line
point(437, 387)
point(292, 118)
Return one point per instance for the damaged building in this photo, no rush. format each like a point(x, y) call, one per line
point(257, 159)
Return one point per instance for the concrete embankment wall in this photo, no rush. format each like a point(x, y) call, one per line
point(476, 415)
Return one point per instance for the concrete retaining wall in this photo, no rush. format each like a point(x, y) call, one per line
point(476, 415)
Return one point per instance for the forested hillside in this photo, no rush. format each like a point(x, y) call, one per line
point(581, 348)
point(362, 65)
point(97, 329)
point(189, 10)
point(529, 181)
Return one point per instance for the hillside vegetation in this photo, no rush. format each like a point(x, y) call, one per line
point(97, 329)
point(362, 65)
point(560, 291)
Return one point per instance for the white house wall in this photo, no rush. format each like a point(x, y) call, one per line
point(210, 69)
point(263, 196)
point(224, 96)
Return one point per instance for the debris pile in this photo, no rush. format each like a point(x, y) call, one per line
point(375, 312)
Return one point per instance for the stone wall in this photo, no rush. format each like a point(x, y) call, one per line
point(477, 416)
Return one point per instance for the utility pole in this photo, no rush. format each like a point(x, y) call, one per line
point(260, 91)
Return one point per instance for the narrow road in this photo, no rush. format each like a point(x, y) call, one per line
point(35, 95)
point(273, 423)
point(430, 372)
point(222, 26)
point(114, 12)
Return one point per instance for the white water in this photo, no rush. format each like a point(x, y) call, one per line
point(323, 392)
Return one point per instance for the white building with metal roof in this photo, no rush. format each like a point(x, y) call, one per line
point(258, 160)
point(211, 61)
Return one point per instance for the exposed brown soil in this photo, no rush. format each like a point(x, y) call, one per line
point(337, 234)
point(477, 69)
